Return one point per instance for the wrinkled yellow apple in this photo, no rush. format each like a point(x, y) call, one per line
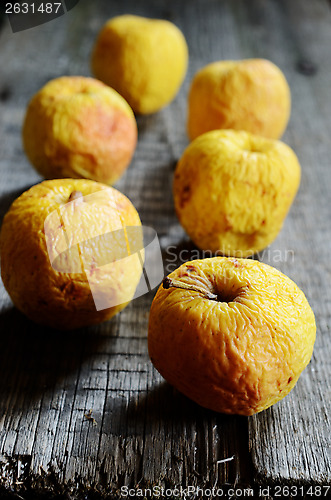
point(231, 334)
point(78, 127)
point(66, 258)
point(251, 95)
point(233, 190)
point(145, 60)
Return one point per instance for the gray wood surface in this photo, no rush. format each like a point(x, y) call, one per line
point(142, 431)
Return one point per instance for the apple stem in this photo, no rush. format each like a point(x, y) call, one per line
point(169, 283)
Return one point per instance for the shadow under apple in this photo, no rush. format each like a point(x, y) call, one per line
point(34, 359)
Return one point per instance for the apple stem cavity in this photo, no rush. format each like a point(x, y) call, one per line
point(170, 283)
point(76, 195)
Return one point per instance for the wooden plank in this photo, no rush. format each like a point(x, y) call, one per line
point(292, 439)
point(135, 420)
point(145, 432)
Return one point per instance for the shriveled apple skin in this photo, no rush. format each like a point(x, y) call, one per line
point(80, 128)
point(233, 190)
point(251, 95)
point(63, 299)
point(240, 355)
point(144, 59)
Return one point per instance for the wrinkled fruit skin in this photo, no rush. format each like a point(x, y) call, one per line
point(80, 128)
point(145, 60)
point(233, 190)
point(63, 299)
point(251, 95)
point(240, 354)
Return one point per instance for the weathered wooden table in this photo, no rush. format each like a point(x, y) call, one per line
point(142, 432)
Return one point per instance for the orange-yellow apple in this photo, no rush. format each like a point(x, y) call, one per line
point(80, 128)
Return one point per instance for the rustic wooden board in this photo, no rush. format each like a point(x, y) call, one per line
point(292, 440)
point(144, 431)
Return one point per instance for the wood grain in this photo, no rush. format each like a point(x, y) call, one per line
point(142, 431)
point(292, 440)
